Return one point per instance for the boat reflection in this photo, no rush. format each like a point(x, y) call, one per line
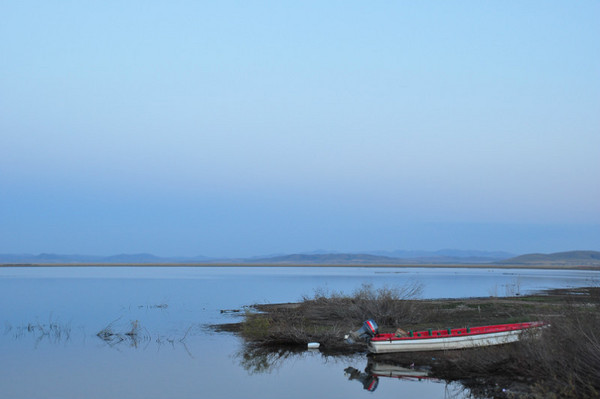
point(368, 380)
point(261, 360)
point(376, 370)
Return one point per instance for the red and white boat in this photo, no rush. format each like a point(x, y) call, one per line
point(451, 338)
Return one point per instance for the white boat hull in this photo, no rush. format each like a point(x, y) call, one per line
point(445, 343)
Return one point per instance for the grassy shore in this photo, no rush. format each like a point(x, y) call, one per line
point(563, 363)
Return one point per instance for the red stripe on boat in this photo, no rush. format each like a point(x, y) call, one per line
point(455, 332)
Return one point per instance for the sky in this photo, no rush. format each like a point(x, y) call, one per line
point(242, 128)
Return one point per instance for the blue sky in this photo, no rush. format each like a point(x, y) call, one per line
point(244, 128)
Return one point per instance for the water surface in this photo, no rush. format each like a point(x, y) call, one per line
point(50, 318)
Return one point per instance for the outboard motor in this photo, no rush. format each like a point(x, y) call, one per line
point(368, 330)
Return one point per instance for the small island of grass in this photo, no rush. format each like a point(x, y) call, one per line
point(564, 361)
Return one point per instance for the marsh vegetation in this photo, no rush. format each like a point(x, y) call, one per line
point(562, 362)
point(53, 331)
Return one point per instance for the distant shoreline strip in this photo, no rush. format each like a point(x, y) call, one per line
point(307, 265)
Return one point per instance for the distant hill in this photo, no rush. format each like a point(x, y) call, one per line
point(428, 258)
point(446, 253)
point(442, 257)
point(329, 259)
point(304, 258)
point(45, 258)
point(570, 258)
point(133, 258)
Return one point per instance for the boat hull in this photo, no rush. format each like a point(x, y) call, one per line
point(487, 337)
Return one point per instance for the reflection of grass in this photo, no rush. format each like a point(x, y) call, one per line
point(53, 331)
point(118, 333)
point(257, 360)
point(134, 335)
point(161, 306)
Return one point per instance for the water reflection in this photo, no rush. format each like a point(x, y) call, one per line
point(375, 370)
point(118, 334)
point(64, 357)
point(258, 360)
point(53, 332)
point(368, 380)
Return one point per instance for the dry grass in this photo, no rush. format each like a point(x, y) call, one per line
point(133, 336)
point(53, 331)
point(389, 306)
point(326, 318)
point(562, 362)
point(566, 361)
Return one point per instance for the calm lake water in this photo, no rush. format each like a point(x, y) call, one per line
point(51, 316)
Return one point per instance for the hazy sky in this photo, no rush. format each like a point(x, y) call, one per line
point(254, 127)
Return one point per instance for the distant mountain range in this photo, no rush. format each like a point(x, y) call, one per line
point(450, 253)
point(328, 259)
point(441, 257)
point(46, 258)
point(571, 258)
point(366, 258)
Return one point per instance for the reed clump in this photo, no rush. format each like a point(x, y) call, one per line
point(326, 317)
point(565, 362)
point(389, 306)
point(53, 331)
point(134, 335)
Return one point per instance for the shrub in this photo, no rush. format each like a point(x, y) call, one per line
point(256, 326)
point(326, 318)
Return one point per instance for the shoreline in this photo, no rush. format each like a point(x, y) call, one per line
point(354, 265)
point(563, 353)
point(419, 313)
